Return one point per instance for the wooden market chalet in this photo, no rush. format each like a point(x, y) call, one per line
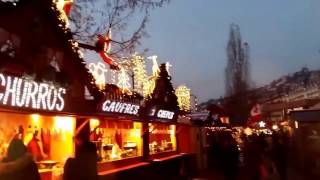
point(45, 87)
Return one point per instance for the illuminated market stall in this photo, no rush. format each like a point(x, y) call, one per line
point(42, 83)
point(117, 130)
point(48, 96)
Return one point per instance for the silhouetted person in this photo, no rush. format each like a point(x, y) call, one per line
point(18, 165)
point(280, 155)
point(230, 157)
point(252, 158)
point(84, 165)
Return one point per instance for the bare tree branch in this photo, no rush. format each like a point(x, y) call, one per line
point(91, 18)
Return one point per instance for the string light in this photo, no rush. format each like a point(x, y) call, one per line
point(98, 71)
point(60, 6)
point(123, 81)
point(113, 76)
point(140, 74)
point(24, 93)
point(183, 94)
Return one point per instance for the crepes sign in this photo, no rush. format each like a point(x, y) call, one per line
point(162, 114)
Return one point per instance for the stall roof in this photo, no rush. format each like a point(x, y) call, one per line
point(64, 35)
point(267, 108)
point(305, 116)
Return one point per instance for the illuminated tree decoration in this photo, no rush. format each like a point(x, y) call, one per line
point(140, 74)
point(98, 71)
point(183, 94)
point(123, 81)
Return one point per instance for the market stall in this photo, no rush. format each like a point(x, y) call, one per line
point(117, 131)
point(42, 84)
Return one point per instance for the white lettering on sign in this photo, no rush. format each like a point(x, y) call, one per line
point(22, 93)
point(120, 107)
point(165, 114)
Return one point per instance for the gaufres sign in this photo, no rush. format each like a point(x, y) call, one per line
point(18, 92)
point(120, 107)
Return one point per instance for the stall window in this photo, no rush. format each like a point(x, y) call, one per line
point(162, 138)
point(116, 140)
point(53, 135)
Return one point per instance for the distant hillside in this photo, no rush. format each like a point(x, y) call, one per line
point(290, 83)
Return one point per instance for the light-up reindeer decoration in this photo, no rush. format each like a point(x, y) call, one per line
point(98, 71)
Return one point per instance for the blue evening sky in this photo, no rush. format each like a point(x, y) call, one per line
point(283, 35)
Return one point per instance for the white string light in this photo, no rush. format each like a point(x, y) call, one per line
point(123, 80)
point(26, 93)
point(98, 71)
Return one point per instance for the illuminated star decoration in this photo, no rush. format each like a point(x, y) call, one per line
point(105, 42)
point(183, 94)
point(98, 71)
point(123, 81)
point(262, 124)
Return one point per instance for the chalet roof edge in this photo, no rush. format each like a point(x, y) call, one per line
point(6, 6)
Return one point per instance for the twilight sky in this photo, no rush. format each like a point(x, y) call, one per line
point(192, 34)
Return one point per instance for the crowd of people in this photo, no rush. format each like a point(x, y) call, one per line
point(19, 164)
point(255, 157)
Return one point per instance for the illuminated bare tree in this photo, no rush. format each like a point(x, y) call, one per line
point(89, 18)
point(238, 81)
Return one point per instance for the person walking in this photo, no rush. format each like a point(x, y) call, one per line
point(84, 165)
point(18, 165)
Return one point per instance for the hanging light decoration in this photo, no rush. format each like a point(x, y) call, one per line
point(140, 74)
point(98, 71)
point(123, 81)
point(183, 94)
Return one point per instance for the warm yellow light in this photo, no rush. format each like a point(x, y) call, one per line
point(64, 124)
point(296, 124)
point(173, 139)
point(63, 16)
point(183, 94)
point(140, 74)
point(94, 123)
point(248, 131)
point(275, 127)
point(35, 119)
